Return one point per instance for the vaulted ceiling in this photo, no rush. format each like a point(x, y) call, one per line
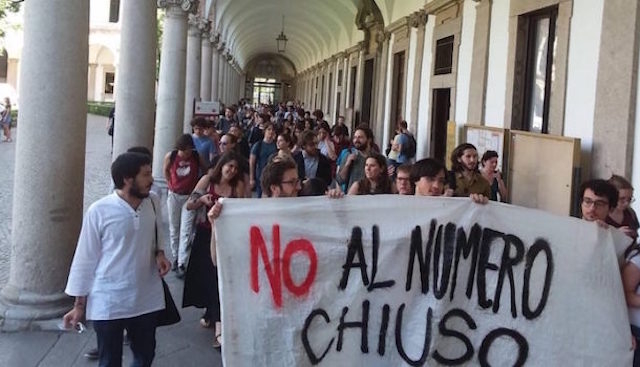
point(316, 29)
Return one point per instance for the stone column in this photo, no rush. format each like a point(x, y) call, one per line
point(418, 20)
point(215, 61)
point(170, 102)
point(225, 80)
point(345, 85)
point(192, 83)
point(206, 74)
point(479, 62)
point(615, 113)
point(359, 80)
point(91, 84)
point(381, 104)
point(99, 83)
point(220, 75)
point(135, 99)
point(47, 217)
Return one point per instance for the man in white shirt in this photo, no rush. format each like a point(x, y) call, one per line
point(116, 270)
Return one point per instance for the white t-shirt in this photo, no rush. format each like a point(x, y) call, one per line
point(114, 264)
point(634, 312)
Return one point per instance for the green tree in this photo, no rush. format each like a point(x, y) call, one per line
point(159, 29)
point(6, 7)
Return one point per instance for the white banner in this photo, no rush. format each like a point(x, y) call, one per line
point(410, 281)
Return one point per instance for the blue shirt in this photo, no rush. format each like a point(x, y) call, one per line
point(404, 140)
point(262, 150)
point(205, 149)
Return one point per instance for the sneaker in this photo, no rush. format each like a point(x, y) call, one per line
point(92, 354)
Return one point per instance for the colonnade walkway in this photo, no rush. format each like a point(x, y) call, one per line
point(184, 344)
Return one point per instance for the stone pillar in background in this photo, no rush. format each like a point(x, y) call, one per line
point(135, 97)
point(479, 61)
point(418, 20)
point(615, 111)
point(170, 103)
point(91, 84)
point(220, 74)
point(206, 74)
point(49, 165)
point(215, 61)
point(192, 84)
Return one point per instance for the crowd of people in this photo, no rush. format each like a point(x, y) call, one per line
point(286, 151)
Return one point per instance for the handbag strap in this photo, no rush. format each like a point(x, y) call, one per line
point(155, 225)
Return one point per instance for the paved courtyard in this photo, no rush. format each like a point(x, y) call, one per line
point(184, 344)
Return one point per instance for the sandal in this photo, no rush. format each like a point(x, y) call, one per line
point(217, 341)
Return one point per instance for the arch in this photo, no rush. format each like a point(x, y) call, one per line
point(320, 30)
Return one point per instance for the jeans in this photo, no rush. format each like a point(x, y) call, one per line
point(141, 331)
point(180, 226)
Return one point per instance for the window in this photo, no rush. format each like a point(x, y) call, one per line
point(397, 89)
point(114, 11)
point(264, 90)
point(340, 78)
point(109, 79)
point(444, 56)
point(534, 70)
point(352, 86)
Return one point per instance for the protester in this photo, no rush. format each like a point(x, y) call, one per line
point(311, 163)
point(180, 167)
point(404, 186)
point(351, 161)
point(325, 143)
point(491, 173)
point(466, 177)
point(284, 144)
point(121, 289)
point(261, 151)
point(622, 216)
point(596, 200)
point(376, 180)
point(428, 176)
point(201, 284)
point(205, 147)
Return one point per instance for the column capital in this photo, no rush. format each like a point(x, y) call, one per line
point(189, 6)
point(198, 26)
point(214, 38)
point(418, 19)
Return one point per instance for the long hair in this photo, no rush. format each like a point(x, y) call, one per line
point(383, 182)
point(457, 153)
point(216, 175)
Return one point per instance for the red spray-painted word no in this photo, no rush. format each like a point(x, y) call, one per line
point(278, 269)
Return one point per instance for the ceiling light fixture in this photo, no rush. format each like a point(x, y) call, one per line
point(282, 39)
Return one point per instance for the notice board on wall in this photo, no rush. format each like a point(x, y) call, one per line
point(488, 138)
point(544, 171)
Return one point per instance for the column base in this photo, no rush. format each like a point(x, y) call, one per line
point(23, 310)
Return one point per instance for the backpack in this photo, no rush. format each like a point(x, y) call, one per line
point(409, 149)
